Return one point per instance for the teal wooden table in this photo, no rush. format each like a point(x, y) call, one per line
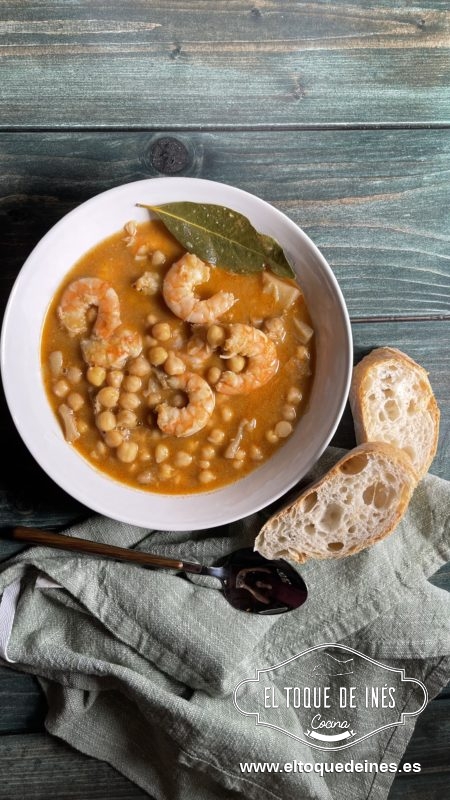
point(338, 114)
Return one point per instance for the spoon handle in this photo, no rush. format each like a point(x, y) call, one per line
point(50, 539)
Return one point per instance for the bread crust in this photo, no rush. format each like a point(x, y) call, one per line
point(373, 450)
point(359, 393)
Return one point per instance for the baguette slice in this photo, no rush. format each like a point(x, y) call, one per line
point(392, 401)
point(355, 504)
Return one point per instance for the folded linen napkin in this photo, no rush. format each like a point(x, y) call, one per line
point(140, 667)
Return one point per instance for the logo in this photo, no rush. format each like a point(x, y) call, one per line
point(330, 697)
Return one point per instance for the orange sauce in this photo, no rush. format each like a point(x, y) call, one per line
point(203, 464)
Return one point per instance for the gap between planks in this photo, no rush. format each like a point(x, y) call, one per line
point(229, 128)
point(400, 318)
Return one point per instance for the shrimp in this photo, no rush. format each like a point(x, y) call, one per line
point(185, 421)
point(79, 296)
point(112, 353)
point(262, 361)
point(178, 291)
point(197, 352)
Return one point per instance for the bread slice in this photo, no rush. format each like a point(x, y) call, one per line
point(355, 504)
point(392, 401)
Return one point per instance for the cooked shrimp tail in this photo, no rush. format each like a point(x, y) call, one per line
point(112, 353)
point(79, 296)
point(178, 292)
point(261, 355)
point(194, 416)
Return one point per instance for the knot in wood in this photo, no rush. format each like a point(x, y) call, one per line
point(168, 155)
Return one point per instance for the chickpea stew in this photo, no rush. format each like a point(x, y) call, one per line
point(171, 375)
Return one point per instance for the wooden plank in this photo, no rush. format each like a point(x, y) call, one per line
point(426, 342)
point(200, 64)
point(426, 786)
point(22, 704)
point(430, 743)
point(37, 766)
point(375, 202)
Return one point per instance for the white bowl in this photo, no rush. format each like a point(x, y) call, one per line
point(43, 273)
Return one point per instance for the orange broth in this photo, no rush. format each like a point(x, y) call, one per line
point(205, 463)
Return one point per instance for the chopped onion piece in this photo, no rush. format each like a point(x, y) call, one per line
point(70, 428)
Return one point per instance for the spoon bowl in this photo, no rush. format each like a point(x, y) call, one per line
point(249, 581)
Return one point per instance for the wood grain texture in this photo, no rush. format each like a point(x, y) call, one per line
point(35, 766)
point(375, 202)
point(201, 64)
point(22, 703)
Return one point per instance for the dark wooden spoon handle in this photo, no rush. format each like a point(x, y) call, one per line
point(50, 539)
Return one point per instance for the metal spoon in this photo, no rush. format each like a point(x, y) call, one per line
point(249, 581)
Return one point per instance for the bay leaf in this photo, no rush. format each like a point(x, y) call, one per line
point(275, 257)
point(220, 235)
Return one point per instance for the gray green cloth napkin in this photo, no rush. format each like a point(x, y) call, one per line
point(139, 667)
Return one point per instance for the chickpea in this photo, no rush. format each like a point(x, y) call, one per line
point(215, 335)
point(226, 413)
point(139, 366)
point(127, 452)
point(208, 451)
point(126, 419)
point(174, 365)
point(204, 464)
point(105, 421)
point(153, 399)
point(151, 319)
point(271, 437)
point(213, 375)
point(178, 401)
point(113, 438)
point(129, 401)
point(206, 476)
point(75, 401)
point(82, 426)
point(96, 375)
point(150, 341)
point(101, 449)
point(157, 356)
point(158, 258)
point(145, 477)
point(165, 471)
point(161, 331)
point(114, 378)
point(238, 463)
point(132, 383)
point(289, 412)
point(283, 428)
point(240, 455)
point(74, 374)
point(61, 388)
point(216, 436)
point(182, 459)
point(108, 396)
point(161, 453)
point(236, 363)
point(294, 395)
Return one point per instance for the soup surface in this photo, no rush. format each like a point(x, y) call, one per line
point(171, 375)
